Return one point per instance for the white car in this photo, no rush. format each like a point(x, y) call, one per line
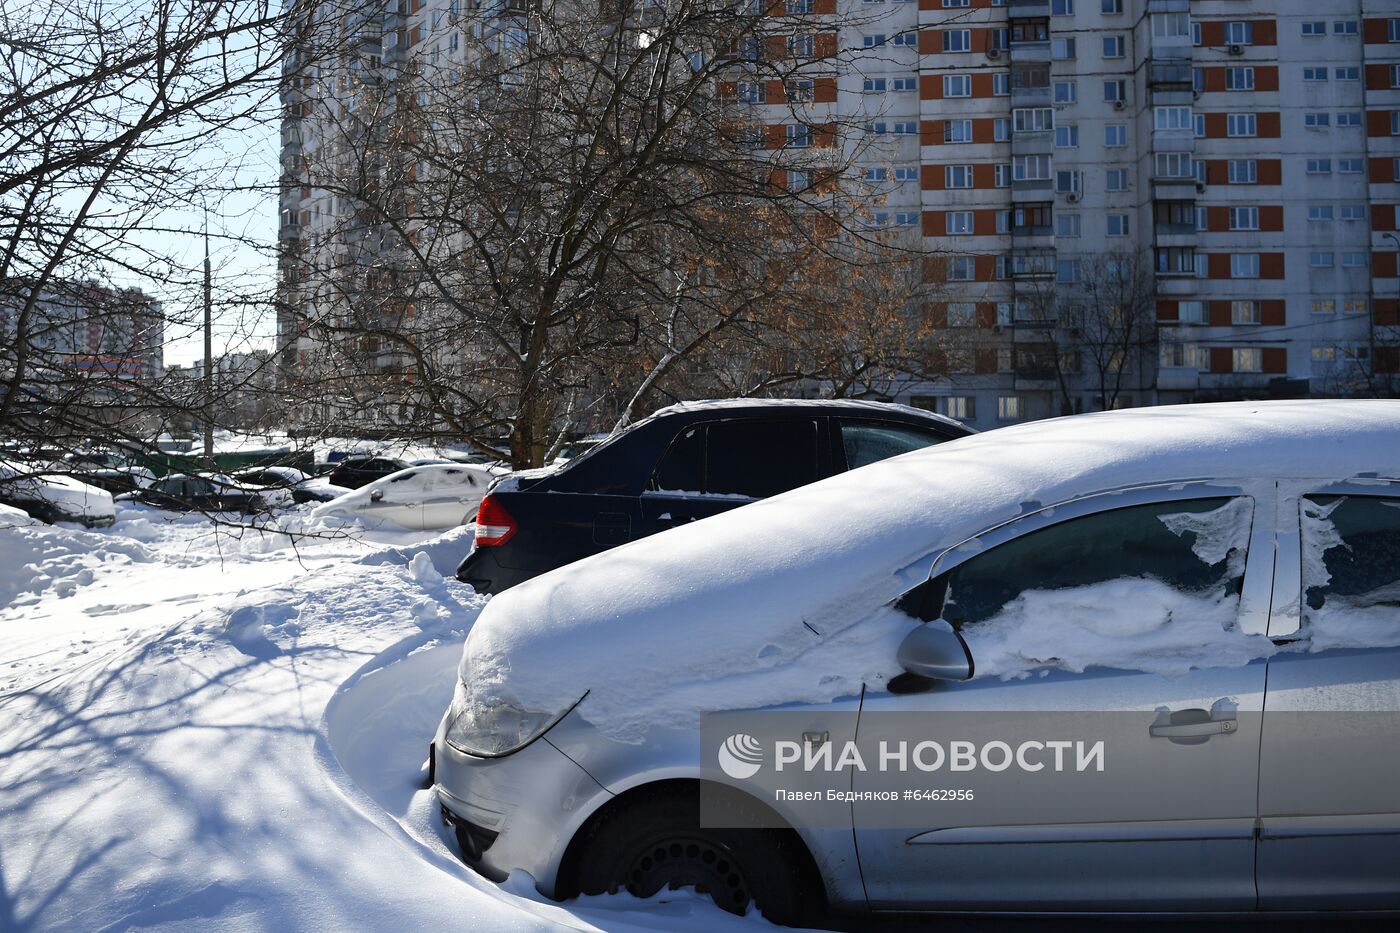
point(439, 495)
point(53, 497)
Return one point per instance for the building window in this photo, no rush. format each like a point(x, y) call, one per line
point(906, 173)
point(801, 90)
point(1353, 73)
point(957, 85)
point(1001, 130)
point(1355, 306)
point(1062, 49)
point(1067, 224)
point(962, 314)
point(1316, 120)
point(954, 4)
point(1247, 360)
point(1067, 136)
point(1115, 8)
point(1001, 84)
point(801, 46)
point(873, 85)
point(1323, 306)
point(799, 137)
point(1191, 312)
point(1239, 79)
point(1113, 47)
point(1066, 92)
point(957, 131)
point(1345, 27)
point(1352, 118)
point(875, 40)
point(1172, 118)
point(1354, 260)
point(1067, 271)
point(1319, 167)
point(1243, 172)
point(909, 39)
point(957, 176)
point(1009, 407)
point(1244, 218)
point(1004, 313)
point(959, 223)
point(1033, 119)
point(1001, 175)
point(1003, 221)
point(1319, 213)
point(1241, 124)
point(1353, 212)
point(1115, 135)
point(1116, 179)
point(1314, 29)
point(876, 173)
point(906, 128)
point(1068, 182)
point(962, 269)
point(957, 40)
point(799, 6)
point(1173, 165)
point(1239, 33)
point(1245, 312)
point(1031, 168)
point(1315, 73)
point(1117, 224)
point(1169, 25)
point(1061, 7)
point(1115, 91)
point(906, 84)
point(962, 407)
point(1244, 266)
point(1182, 355)
point(1321, 260)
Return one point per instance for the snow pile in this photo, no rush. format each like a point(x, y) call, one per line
point(765, 604)
point(36, 559)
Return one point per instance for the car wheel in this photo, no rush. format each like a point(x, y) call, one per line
point(657, 844)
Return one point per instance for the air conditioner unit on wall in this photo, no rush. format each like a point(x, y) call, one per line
point(1236, 50)
point(1119, 105)
point(1072, 197)
point(994, 53)
point(1200, 187)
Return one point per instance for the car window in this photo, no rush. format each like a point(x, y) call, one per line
point(1351, 569)
point(198, 487)
point(868, 442)
point(170, 487)
point(1151, 587)
point(682, 467)
point(403, 477)
point(759, 458)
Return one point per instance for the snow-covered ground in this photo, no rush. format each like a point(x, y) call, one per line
point(226, 728)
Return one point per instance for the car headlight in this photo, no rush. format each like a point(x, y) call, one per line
point(494, 729)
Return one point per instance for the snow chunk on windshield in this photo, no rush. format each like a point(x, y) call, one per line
point(1352, 587)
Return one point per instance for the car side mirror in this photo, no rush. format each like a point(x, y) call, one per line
point(935, 651)
point(376, 495)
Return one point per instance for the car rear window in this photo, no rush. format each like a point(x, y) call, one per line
point(760, 458)
point(869, 442)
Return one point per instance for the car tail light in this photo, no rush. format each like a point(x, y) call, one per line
point(494, 525)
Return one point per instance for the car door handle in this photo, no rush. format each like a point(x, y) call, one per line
point(1206, 727)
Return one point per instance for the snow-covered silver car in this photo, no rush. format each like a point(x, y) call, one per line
point(434, 495)
point(1218, 584)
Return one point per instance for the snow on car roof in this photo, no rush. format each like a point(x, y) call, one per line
point(718, 614)
point(865, 405)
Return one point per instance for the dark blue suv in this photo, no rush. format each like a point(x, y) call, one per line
point(682, 464)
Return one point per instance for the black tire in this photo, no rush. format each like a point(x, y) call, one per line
point(657, 843)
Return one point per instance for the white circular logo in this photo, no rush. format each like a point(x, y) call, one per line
point(740, 756)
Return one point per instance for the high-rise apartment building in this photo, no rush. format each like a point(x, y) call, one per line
point(1121, 202)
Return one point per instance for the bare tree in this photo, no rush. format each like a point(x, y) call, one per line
point(571, 214)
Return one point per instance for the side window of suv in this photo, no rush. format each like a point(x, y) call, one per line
point(760, 458)
point(868, 442)
point(1351, 570)
point(682, 467)
point(1163, 579)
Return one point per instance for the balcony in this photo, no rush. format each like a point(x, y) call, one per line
point(1038, 96)
point(1174, 75)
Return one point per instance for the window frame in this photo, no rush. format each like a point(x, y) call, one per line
point(1288, 595)
point(1259, 576)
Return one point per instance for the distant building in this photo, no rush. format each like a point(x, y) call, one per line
point(85, 328)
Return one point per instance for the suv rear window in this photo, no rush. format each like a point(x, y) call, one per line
point(867, 442)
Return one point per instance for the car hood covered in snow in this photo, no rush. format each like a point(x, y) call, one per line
point(788, 600)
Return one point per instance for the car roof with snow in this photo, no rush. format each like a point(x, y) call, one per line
point(862, 406)
point(743, 591)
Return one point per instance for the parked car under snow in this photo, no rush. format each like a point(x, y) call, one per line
point(208, 492)
point(1220, 582)
point(436, 495)
point(54, 497)
point(293, 484)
